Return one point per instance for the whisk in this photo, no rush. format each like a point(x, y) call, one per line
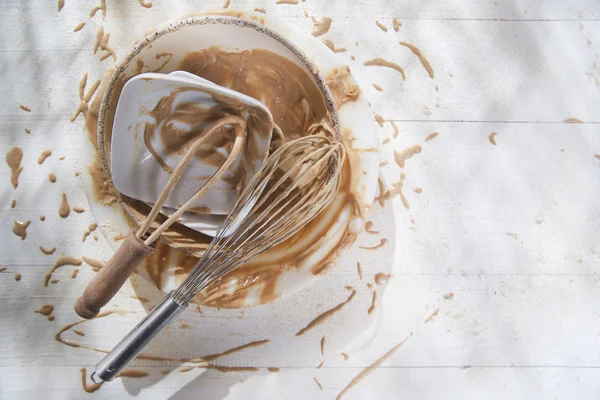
point(294, 185)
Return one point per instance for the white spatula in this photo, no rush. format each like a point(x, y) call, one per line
point(138, 173)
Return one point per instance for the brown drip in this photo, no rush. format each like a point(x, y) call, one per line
point(573, 121)
point(381, 26)
point(431, 136)
point(369, 228)
point(321, 26)
point(396, 24)
point(78, 209)
point(95, 264)
point(382, 242)
point(400, 156)
point(273, 369)
point(492, 138)
point(432, 316)
point(17, 277)
point(64, 210)
point(373, 303)
point(91, 387)
point(345, 355)
point(132, 373)
point(325, 316)
point(24, 108)
point(422, 58)
point(213, 357)
point(20, 228)
point(372, 367)
point(79, 27)
point(395, 135)
point(286, 1)
point(60, 4)
point(384, 63)
point(145, 3)
point(45, 154)
point(323, 346)
point(318, 383)
point(377, 87)
point(14, 156)
point(62, 261)
point(359, 269)
point(46, 309)
point(448, 296)
point(260, 10)
point(381, 278)
point(47, 251)
point(52, 177)
point(379, 120)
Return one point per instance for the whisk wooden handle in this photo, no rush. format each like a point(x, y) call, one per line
point(112, 276)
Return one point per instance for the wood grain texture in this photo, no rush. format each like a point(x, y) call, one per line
point(512, 230)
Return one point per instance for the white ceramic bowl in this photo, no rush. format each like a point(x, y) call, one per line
point(353, 121)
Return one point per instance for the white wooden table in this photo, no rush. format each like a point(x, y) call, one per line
point(512, 229)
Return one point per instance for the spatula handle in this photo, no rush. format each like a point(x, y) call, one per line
point(112, 276)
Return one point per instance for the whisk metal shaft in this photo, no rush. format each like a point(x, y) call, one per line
point(293, 186)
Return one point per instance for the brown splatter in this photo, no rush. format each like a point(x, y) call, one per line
point(44, 154)
point(24, 107)
point(597, 156)
point(222, 368)
point(372, 367)
point(148, 4)
point(20, 228)
point(17, 277)
point(45, 310)
point(52, 177)
point(14, 156)
point(373, 303)
point(50, 317)
point(381, 278)
point(400, 156)
point(79, 26)
point(396, 24)
point(84, 98)
point(27, 131)
point(61, 158)
point(144, 300)
point(320, 365)
point(377, 87)
point(332, 47)
point(359, 269)
point(74, 273)
point(381, 26)
point(13, 203)
point(42, 217)
point(65, 260)
point(186, 369)
point(78, 209)
point(395, 135)
point(321, 26)
point(64, 210)
point(448, 296)
point(323, 345)
point(326, 315)
point(54, 281)
point(2, 269)
point(369, 228)
point(382, 242)
point(422, 58)
point(572, 121)
point(382, 190)
point(418, 190)
point(60, 4)
point(101, 7)
point(286, 2)
point(273, 369)
point(318, 383)
point(431, 136)
point(212, 357)
point(95, 264)
point(260, 10)
point(226, 4)
point(47, 251)
point(432, 316)
point(492, 138)
point(380, 62)
point(345, 355)
point(89, 388)
point(78, 332)
point(132, 373)
point(379, 120)
point(92, 227)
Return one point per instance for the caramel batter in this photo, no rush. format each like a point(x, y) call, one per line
point(78, 209)
point(345, 355)
point(145, 3)
point(431, 136)
point(492, 138)
point(13, 204)
point(373, 302)
point(448, 296)
point(379, 120)
point(369, 228)
point(381, 26)
point(79, 26)
point(432, 316)
point(286, 1)
point(381, 278)
point(42, 217)
point(47, 251)
point(24, 108)
point(382, 242)
point(78, 332)
point(45, 154)
point(27, 131)
point(396, 24)
point(422, 58)
point(400, 156)
point(95, 264)
point(418, 190)
point(573, 121)
point(384, 63)
point(132, 373)
point(326, 315)
point(45, 310)
point(14, 156)
point(20, 228)
point(273, 369)
point(330, 44)
point(212, 357)
point(64, 210)
point(321, 26)
point(226, 4)
point(89, 388)
point(2, 269)
point(101, 7)
point(342, 90)
point(395, 127)
point(260, 10)
point(60, 4)
point(377, 87)
point(597, 156)
point(371, 367)
point(74, 273)
point(359, 270)
point(318, 383)
point(17, 277)
point(52, 177)
point(62, 261)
